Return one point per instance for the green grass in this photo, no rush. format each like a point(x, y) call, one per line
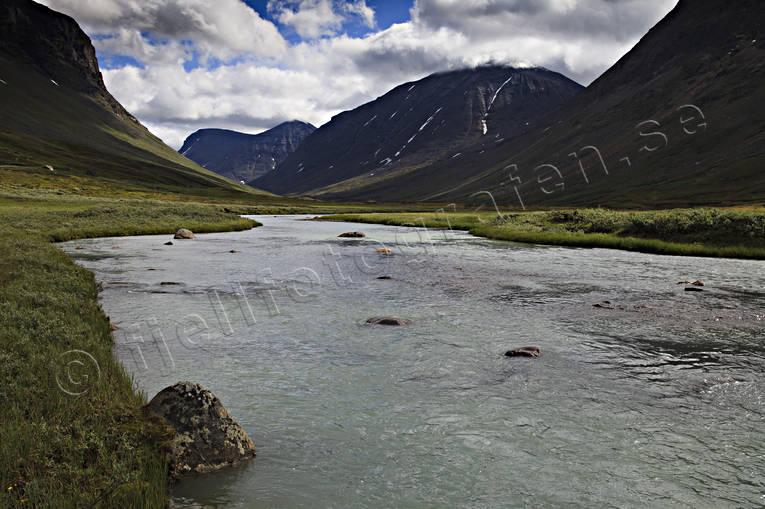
point(729, 233)
point(59, 450)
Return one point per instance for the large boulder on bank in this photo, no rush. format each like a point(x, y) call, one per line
point(206, 438)
point(183, 233)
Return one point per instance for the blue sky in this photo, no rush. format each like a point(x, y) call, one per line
point(248, 65)
point(387, 12)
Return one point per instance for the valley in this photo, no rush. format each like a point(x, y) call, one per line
point(457, 268)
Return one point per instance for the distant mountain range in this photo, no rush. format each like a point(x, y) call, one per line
point(415, 125)
point(56, 112)
point(678, 121)
point(244, 157)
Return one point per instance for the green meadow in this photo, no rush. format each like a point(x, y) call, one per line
point(57, 449)
point(730, 233)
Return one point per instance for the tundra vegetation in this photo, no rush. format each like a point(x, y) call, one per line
point(731, 233)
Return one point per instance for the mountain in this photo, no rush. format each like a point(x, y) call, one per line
point(678, 121)
point(56, 112)
point(418, 124)
point(244, 157)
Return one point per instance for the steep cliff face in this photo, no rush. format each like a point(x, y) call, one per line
point(245, 157)
point(54, 45)
point(55, 111)
point(417, 124)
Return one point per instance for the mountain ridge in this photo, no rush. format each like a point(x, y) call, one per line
point(55, 112)
point(241, 156)
point(699, 56)
point(416, 123)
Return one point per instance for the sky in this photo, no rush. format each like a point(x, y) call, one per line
point(248, 65)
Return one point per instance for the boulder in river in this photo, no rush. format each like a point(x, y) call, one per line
point(384, 277)
point(384, 250)
point(206, 437)
point(698, 283)
point(169, 243)
point(526, 351)
point(183, 233)
point(352, 235)
point(693, 289)
point(388, 320)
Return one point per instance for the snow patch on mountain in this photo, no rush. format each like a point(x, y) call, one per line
point(368, 121)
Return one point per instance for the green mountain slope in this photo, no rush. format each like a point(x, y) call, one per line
point(55, 111)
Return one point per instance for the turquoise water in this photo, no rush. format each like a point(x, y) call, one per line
point(656, 399)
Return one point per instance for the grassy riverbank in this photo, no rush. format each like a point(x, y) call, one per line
point(58, 449)
point(732, 233)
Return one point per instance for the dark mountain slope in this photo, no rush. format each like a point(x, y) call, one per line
point(417, 124)
point(245, 157)
point(706, 54)
point(55, 110)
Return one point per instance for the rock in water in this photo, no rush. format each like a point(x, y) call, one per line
point(388, 320)
point(352, 235)
point(693, 289)
point(207, 438)
point(183, 233)
point(526, 351)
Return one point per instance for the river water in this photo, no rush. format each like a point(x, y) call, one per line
point(656, 399)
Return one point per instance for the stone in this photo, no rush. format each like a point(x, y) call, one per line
point(698, 283)
point(526, 351)
point(169, 243)
point(384, 277)
point(387, 320)
point(352, 235)
point(233, 251)
point(384, 250)
point(206, 437)
point(169, 283)
point(693, 289)
point(79, 248)
point(113, 327)
point(183, 233)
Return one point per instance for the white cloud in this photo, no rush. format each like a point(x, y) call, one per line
point(312, 19)
point(270, 81)
point(223, 28)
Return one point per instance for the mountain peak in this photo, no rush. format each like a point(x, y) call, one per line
point(416, 123)
point(244, 157)
point(55, 46)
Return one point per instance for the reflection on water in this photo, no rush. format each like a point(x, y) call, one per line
point(653, 399)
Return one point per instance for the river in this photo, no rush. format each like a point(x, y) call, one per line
point(657, 398)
